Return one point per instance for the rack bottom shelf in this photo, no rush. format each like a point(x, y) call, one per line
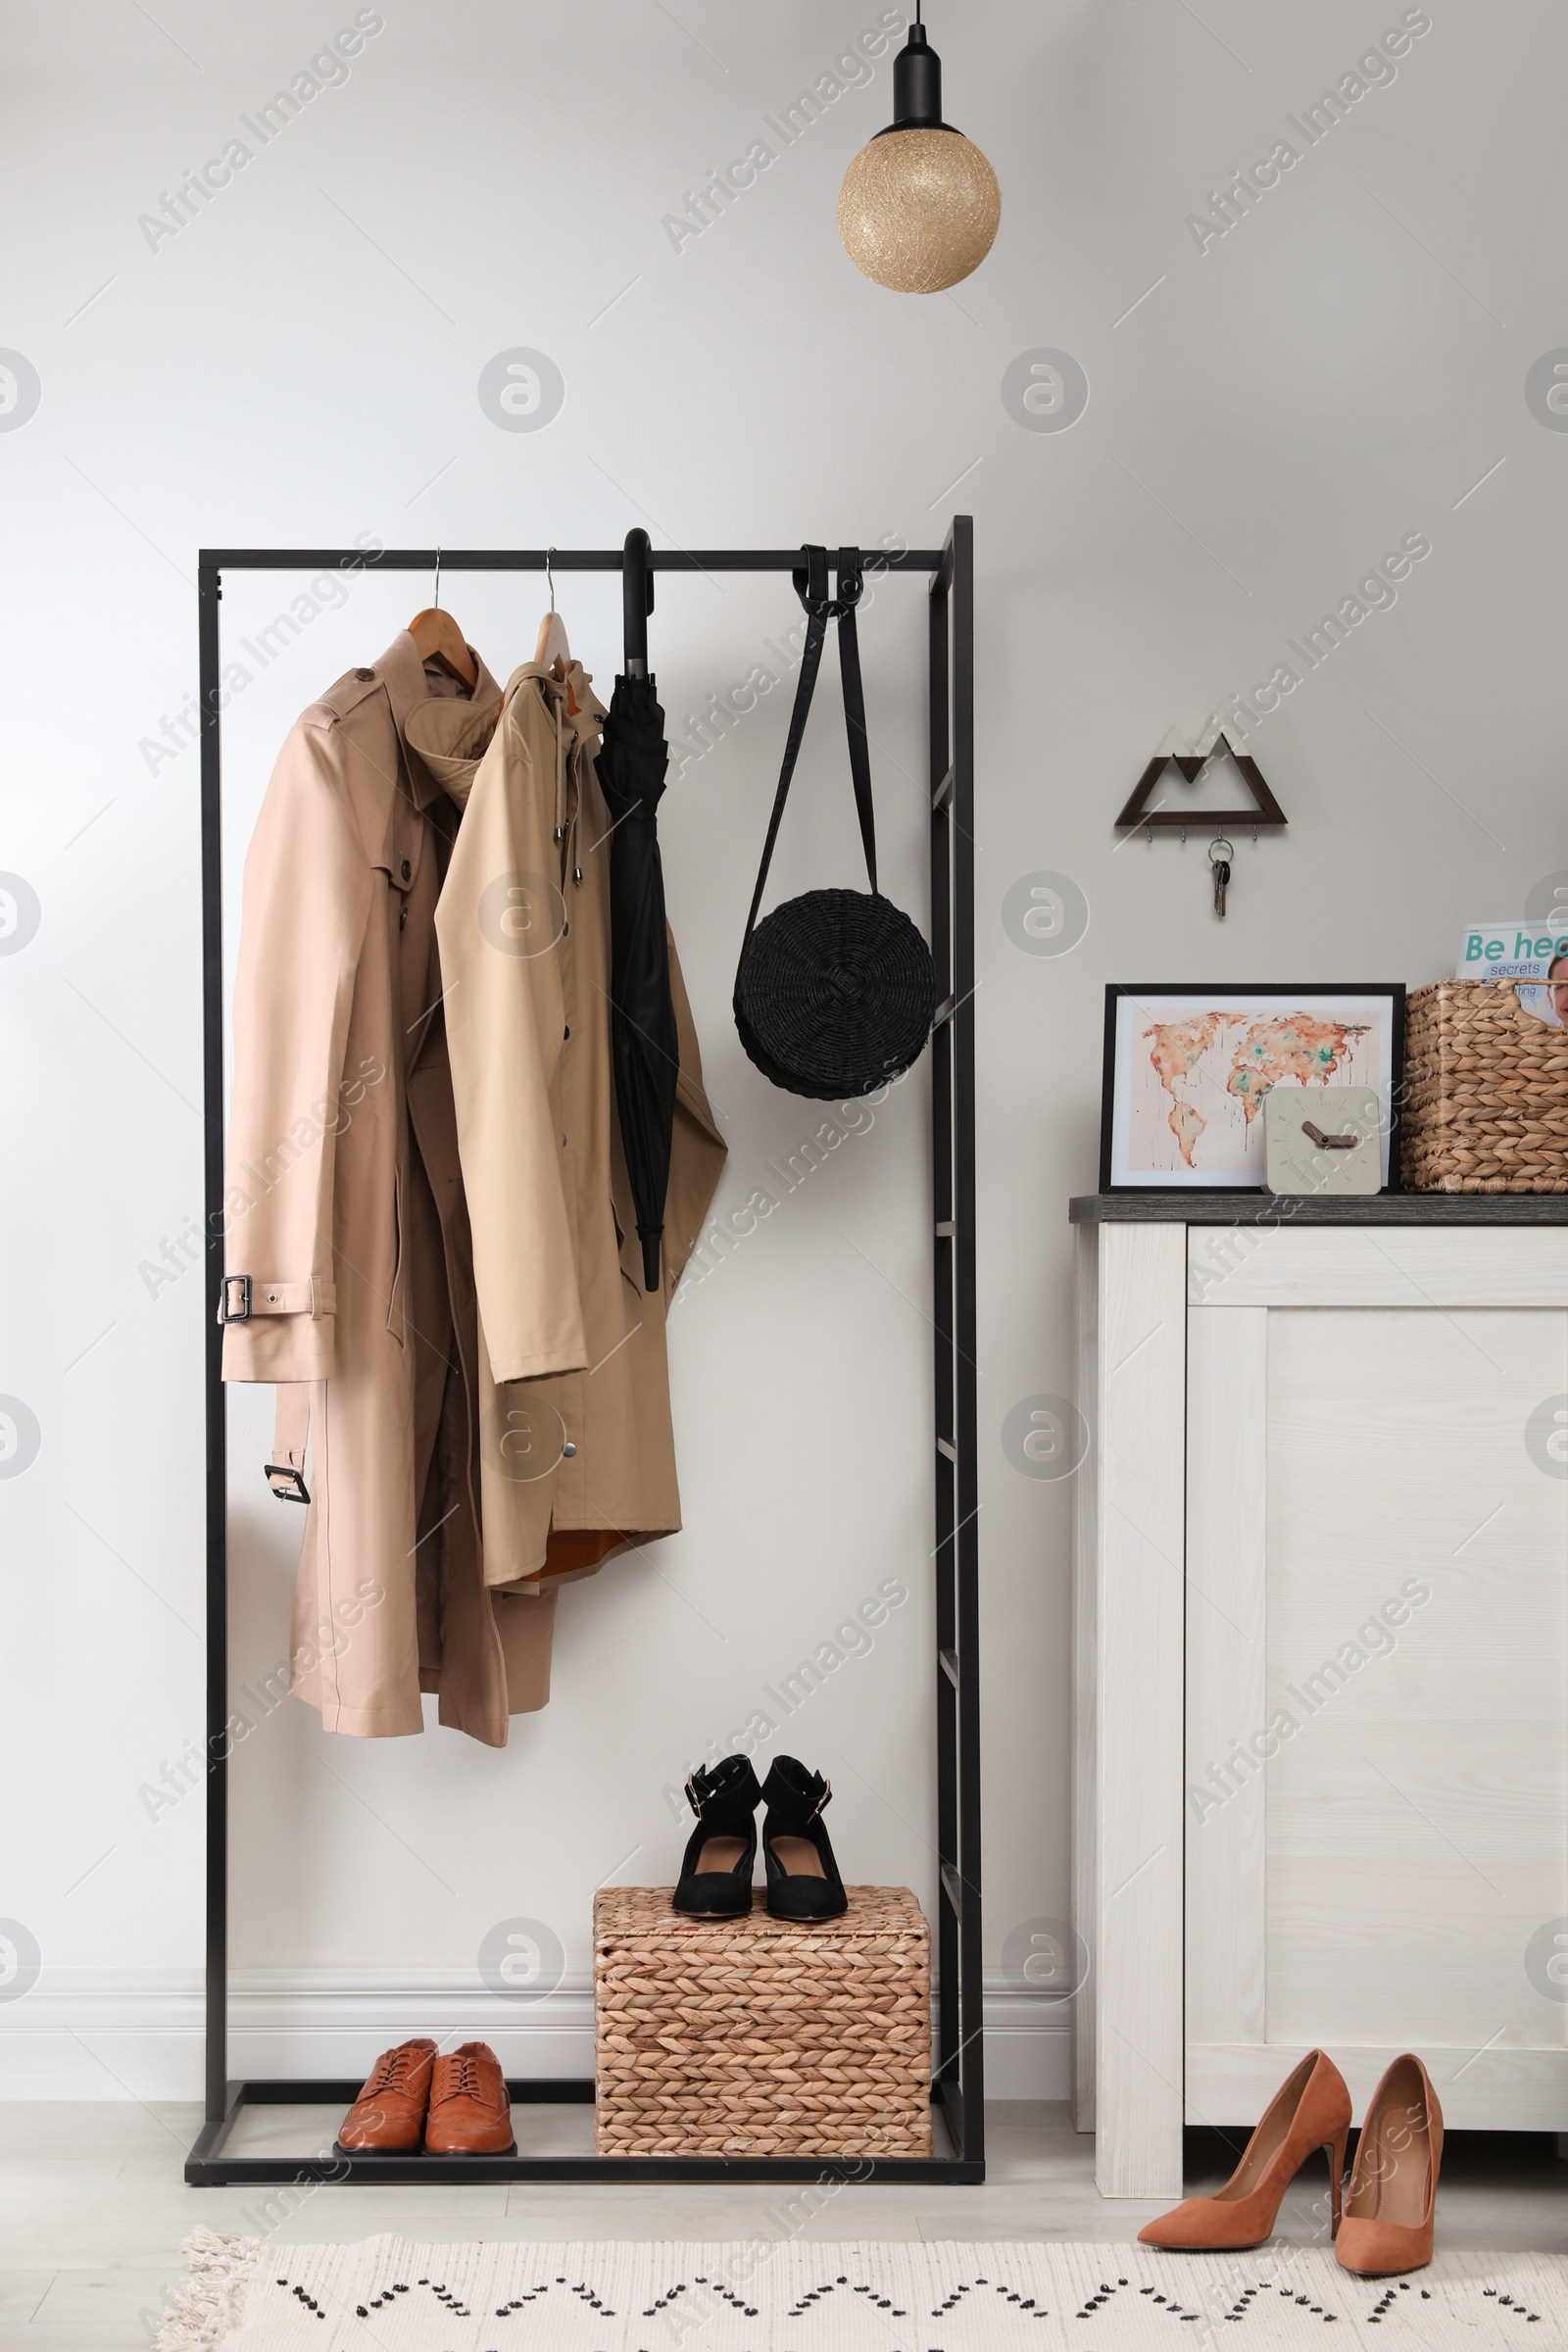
point(555, 2142)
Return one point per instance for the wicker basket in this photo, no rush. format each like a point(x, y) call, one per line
point(1486, 1093)
point(757, 2036)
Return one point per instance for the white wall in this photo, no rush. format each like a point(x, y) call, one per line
point(301, 364)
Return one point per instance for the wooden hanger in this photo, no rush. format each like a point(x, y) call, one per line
point(551, 651)
point(439, 638)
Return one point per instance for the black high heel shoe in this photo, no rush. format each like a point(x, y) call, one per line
point(715, 1877)
point(802, 1878)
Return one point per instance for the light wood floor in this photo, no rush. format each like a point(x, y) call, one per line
point(93, 2208)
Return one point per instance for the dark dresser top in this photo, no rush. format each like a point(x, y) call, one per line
point(1175, 1206)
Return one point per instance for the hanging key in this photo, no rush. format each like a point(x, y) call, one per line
point(1221, 868)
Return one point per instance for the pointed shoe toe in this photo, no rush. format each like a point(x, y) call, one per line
point(796, 1896)
point(713, 1894)
point(1380, 2249)
point(1209, 2225)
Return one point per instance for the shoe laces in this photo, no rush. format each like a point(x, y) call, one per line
point(391, 2071)
point(464, 2080)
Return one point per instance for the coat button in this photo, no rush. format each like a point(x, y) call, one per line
point(406, 870)
point(364, 676)
point(402, 918)
point(567, 1032)
point(568, 1449)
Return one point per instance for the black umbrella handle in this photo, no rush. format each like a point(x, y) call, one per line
point(811, 587)
point(637, 602)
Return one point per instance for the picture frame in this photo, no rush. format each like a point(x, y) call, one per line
point(1180, 1112)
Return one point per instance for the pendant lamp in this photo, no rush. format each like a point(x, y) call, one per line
point(920, 207)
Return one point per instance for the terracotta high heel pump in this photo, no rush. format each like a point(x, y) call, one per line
point(1393, 2182)
point(1312, 2109)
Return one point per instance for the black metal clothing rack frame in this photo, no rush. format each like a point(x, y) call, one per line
point(957, 2090)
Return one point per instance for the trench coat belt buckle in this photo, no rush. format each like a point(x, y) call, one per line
point(286, 1475)
point(286, 1483)
point(234, 1284)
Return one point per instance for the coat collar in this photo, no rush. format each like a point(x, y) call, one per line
point(447, 740)
point(449, 737)
point(582, 713)
point(411, 687)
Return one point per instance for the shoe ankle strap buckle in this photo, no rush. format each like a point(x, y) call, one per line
point(692, 1797)
point(826, 1798)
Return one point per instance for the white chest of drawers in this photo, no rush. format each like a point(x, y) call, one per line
point(1320, 1659)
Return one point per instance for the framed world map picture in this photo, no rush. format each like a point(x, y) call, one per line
point(1187, 1071)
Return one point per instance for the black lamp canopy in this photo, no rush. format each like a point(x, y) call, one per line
point(918, 86)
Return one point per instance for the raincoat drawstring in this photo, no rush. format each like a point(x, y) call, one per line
point(566, 827)
point(556, 701)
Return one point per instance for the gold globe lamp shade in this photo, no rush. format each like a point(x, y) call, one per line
point(920, 207)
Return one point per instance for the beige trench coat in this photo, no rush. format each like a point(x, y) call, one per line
point(576, 1450)
point(347, 1236)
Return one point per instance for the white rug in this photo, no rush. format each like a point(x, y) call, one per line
point(398, 2294)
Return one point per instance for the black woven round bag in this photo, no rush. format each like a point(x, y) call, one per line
point(834, 994)
point(835, 991)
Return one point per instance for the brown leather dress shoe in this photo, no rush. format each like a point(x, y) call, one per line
point(470, 2107)
point(1393, 2182)
point(389, 2113)
point(1310, 2110)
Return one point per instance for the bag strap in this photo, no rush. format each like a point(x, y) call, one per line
point(811, 586)
point(850, 586)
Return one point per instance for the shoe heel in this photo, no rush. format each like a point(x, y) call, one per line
point(1333, 2150)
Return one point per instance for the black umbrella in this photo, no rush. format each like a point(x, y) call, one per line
point(645, 1046)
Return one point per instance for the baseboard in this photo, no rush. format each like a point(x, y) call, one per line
point(82, 2034)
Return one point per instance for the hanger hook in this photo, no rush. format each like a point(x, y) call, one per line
point(550, 576)
point(438, 579)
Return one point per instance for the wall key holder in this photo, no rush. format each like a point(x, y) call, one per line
point(1267, 810)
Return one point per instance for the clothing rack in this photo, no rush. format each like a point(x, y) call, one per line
point(958, 2078)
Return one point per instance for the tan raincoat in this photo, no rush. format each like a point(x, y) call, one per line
point(576, 1450)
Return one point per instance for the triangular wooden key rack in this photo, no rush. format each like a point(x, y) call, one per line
point(1267, 811)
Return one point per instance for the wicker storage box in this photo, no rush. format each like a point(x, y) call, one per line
point(759, 2038)
point(1485, 1105)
